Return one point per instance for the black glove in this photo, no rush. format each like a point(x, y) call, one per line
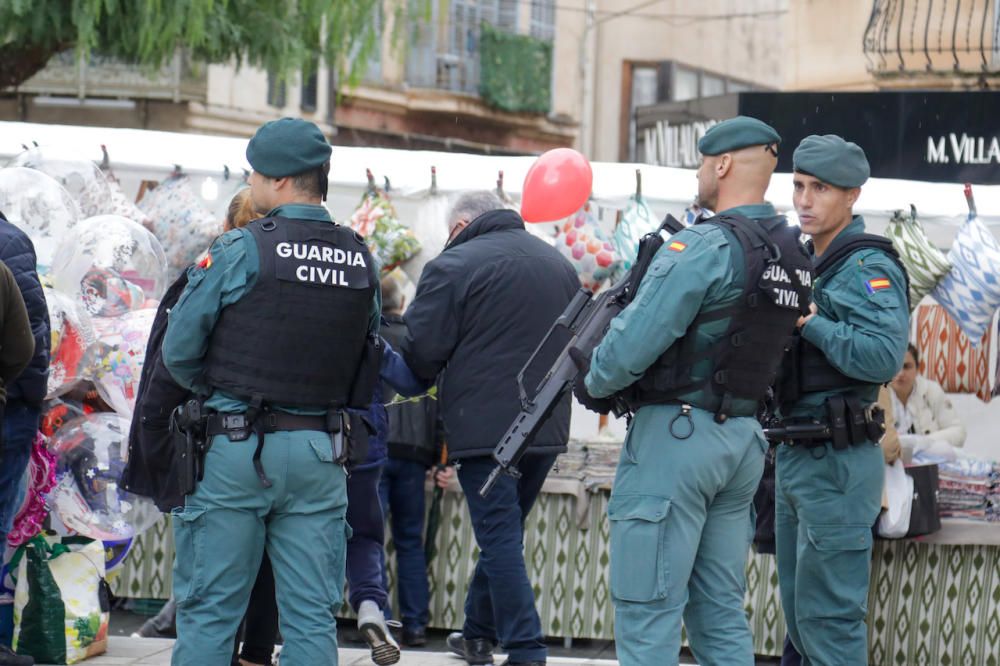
point(599, 405)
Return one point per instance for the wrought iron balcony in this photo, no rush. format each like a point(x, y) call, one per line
point(953, 38)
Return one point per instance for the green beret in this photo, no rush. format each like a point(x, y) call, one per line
point(287, 147)
point(832, 160)
point(736, 133)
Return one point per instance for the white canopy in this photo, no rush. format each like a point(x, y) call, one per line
point(139, 154)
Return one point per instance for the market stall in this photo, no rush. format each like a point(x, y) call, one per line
point(116, 213)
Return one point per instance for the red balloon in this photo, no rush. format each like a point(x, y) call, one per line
point(556, 186)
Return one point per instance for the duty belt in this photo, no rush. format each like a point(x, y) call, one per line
point(847, 423)
point(257, 421)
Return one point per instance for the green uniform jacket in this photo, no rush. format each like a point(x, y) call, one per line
point(705, 275)
point(213, 285)
point(862, 325)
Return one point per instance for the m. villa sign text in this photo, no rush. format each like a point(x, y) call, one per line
point(963, 149)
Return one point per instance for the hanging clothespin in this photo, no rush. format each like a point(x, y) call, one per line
point(177, 172)
point(970, 200)
point(500, 192)
point(434, 181)
point(913, 213)
point(225, 172)
point(35, 143)
point(105, 160)
point(618, 216)
point(638, 183)
point(371, 181)
point(387, 185)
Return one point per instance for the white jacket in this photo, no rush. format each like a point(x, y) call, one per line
point(928, 412)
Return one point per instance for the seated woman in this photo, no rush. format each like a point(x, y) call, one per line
point(925, 418)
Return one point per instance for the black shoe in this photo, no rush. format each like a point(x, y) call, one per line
point(475, 651)
point(522, 663)
point(415, 637)
point(9, 658)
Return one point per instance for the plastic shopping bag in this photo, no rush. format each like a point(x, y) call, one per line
point(61, 600)
point(895, 520)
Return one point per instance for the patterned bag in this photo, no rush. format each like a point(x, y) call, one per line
point(971, 291)
point(390, 242)
point(924, 263)
point(582, 242)
point(637, 220)
point(61, 603)
point(947, 357)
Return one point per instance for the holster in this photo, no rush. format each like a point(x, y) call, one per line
point(356, 431)
point(187, 428)
point(366, 377)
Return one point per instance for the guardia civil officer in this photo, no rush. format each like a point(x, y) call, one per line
point(829, 486)
point(704, 336)
point(272, 328)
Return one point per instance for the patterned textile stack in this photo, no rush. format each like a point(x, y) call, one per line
point(592, 462)
point(967, 488)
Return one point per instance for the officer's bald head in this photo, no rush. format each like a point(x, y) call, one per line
point(737, 177)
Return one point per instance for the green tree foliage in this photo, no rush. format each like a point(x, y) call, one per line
point(279, 35)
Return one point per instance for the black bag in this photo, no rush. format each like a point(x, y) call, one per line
point(924, 518)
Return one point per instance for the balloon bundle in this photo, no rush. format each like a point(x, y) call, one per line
point(102, 275)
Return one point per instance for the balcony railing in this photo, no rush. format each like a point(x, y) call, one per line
point(102, 76)
point(936, 37)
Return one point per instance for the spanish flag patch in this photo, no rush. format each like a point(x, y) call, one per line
point(877, 284)
point(206, 262)
point(677, 246)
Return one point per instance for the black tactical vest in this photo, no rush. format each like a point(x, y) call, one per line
point(297, 337)
point(745, 360)
point(805, 368)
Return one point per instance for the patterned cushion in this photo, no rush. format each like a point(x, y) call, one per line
point(947, 357)
point(970, 292)
point(925, 263)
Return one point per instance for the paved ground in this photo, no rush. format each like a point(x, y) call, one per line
point(126, 651)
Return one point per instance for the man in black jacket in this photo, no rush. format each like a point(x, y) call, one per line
point(481, 308)
point(26, 393)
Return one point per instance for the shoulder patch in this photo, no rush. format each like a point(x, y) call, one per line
point(677, 246)
point(877, 284)
point(206, 262)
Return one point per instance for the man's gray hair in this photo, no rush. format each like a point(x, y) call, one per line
point(471, 205)
point(392, 295)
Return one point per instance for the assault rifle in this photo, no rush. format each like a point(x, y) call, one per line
point(581, 326)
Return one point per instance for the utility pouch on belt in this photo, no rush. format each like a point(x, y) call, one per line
point(836, 414)
point(366, 376)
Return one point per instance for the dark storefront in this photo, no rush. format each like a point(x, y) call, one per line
point(929, 136)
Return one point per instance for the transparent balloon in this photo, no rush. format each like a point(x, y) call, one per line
point(40, 207)
point(87, 499)
point(121, 352)
point(181, 220)
point(73, 340)
point(111, 265)
point(82, 179)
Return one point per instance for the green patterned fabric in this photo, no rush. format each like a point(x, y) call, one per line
point(147, 572)
point(928, 604)
point(925, 263)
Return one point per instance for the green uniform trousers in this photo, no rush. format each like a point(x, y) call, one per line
point(826, 503)
point(681, 525)
point(221, 534)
